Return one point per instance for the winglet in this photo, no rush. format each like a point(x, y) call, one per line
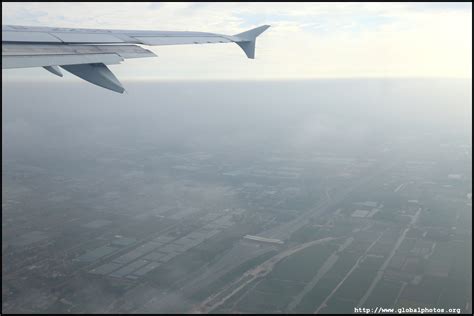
point(248, 39)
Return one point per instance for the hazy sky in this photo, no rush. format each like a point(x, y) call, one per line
point(306, 40)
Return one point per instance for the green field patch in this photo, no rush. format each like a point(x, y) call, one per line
point(317, 295)
point(372, 263)
point(262, 302)
point(343, 264)
point(338, 305)
point(384, 294)
point(355, 286)
point(427, 292)
point(359, 246)
point(381, 249)
point(409, 303)
point(407, 245)
point(230, 302)
point(305, 234)
point(440, 261)
point(303, 265)
point(231, 275)
point(283, 287)
point(390, 215)
point(454, 293)
point(462, 260)
point(415, 233)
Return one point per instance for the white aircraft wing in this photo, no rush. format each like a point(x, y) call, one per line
point(86, 52)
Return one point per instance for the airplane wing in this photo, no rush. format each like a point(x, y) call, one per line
point(87, 52)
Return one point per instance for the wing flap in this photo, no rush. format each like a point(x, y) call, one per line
point(16, 36)
point(54, 60)
point(126, 51)
point(87, 38)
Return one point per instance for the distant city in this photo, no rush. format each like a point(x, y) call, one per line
point(259, 216)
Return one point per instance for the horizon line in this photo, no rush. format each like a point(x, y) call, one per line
point(151, 79)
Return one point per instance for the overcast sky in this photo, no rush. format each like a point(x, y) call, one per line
point(306, 40)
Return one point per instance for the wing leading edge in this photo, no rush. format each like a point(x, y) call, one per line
point(87, 52)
